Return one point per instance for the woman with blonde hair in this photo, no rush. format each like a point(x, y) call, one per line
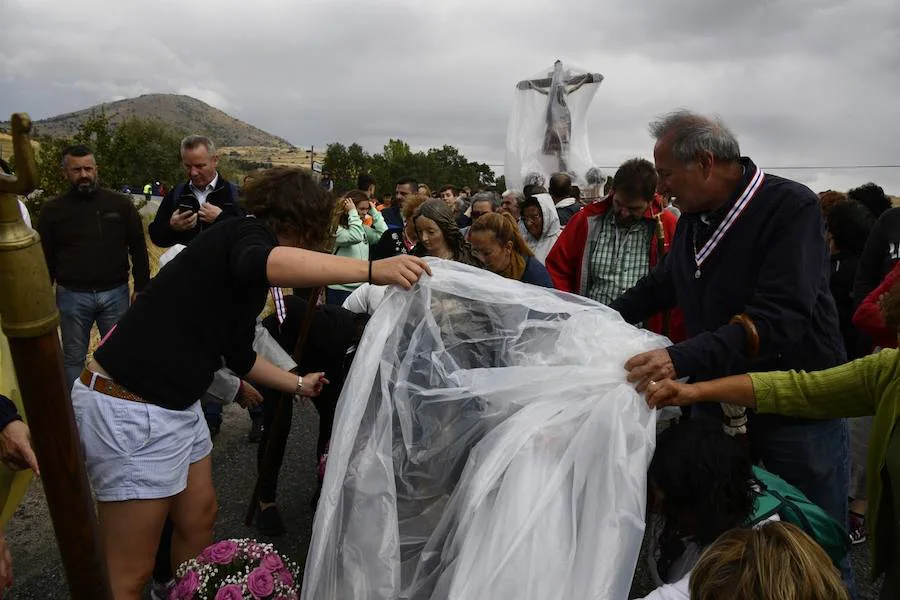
point(774, 562)
point(496, 240)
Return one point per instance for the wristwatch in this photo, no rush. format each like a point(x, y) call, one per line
point(299, 389)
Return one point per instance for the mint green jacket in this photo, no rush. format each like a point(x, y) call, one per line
point(353, 241)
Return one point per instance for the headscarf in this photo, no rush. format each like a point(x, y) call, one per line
point(439, 212)
point(541, 247)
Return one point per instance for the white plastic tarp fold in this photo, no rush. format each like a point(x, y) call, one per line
point(486, 445)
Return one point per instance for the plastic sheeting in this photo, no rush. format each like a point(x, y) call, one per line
point(486, 445)
point(547, 131)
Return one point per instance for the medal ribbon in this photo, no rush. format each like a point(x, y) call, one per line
point(742, 202)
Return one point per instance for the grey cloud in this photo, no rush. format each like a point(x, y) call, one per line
point(811, 83)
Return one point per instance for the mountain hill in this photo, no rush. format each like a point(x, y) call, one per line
point(179, 112)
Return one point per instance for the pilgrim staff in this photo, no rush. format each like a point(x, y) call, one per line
point(30, 319)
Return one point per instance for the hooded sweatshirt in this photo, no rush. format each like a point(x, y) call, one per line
point(541, 247)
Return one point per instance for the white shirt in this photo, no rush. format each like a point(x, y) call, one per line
point(201, 195)
point(365, 299)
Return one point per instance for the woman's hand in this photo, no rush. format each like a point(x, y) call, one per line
point(671, 393)
point(15, 447)
point(349, 207)
point(403, 270)
point(313, 384)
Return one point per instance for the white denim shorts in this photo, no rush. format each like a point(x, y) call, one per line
point(134, 450)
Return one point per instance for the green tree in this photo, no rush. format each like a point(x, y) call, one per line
point(140, 152)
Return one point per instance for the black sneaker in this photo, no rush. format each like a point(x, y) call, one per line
point(256, 430)
point(268, 521)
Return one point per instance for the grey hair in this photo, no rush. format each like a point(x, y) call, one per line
point(693, 134)
point(492, 197)
point(192, 141)
point(519, 196)
point(595, 176)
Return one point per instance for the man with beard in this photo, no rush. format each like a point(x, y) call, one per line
point(88, 234)
point(611, 244)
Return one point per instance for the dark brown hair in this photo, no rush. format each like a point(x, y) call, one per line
point(829, 199)
point(291, 203)
point(505, 229)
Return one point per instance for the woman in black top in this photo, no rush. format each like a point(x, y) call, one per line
point(146, 446)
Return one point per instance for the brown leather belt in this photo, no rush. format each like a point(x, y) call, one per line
point(108, 387)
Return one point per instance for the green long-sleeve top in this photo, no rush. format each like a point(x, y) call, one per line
point(868, 386)
point(353, 241)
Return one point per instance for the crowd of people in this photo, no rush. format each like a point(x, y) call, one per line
point(765, 289)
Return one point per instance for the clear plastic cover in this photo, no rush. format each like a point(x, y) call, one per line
point(486, 445)
point(547, 130)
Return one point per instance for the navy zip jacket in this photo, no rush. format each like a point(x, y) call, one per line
point(772, 264)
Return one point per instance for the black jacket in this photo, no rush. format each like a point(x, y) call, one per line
point(773, 265)
point(224, 196)
point(843, 272)
point(87, 241)
point(882, 251)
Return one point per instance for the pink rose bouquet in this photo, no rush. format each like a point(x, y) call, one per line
point(237, 570)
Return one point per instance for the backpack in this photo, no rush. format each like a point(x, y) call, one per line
point(776, 496)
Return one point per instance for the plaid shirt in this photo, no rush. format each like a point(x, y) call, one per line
point(619, 258)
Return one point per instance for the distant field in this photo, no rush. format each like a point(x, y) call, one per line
point(291, 157)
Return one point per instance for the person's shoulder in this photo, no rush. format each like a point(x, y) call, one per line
point(787, 191)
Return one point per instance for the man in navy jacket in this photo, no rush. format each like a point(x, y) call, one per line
point(749, 244)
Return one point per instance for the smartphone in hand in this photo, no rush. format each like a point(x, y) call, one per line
point(187, 207)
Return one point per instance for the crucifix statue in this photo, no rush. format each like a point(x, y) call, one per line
point(557, 86)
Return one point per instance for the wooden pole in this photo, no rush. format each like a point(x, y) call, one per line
point(660, 253)
point(30, 318)
point(279, 424)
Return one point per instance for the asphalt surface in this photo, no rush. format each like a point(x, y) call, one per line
point(38, 572)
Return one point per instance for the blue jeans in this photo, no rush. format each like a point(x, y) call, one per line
point(814, 457)
point(78, 312)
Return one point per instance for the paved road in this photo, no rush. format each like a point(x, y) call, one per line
point(38, 573)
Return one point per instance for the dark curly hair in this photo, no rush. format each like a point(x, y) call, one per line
point(872, 197)
point(706, 480)
point(849, 223)
point(291, 203)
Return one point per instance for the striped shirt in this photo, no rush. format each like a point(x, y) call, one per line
point(619, 258)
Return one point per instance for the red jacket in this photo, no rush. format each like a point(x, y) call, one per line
point(567, 260)
point(868, 317)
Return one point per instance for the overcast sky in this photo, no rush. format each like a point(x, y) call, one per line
point(801, 82)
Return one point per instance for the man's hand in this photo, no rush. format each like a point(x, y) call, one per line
point(15, 447)
point(655, 365)
point(403, 270)
point(183, 220)
point(248, 396)
point(209, 212)
point(671, 393)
